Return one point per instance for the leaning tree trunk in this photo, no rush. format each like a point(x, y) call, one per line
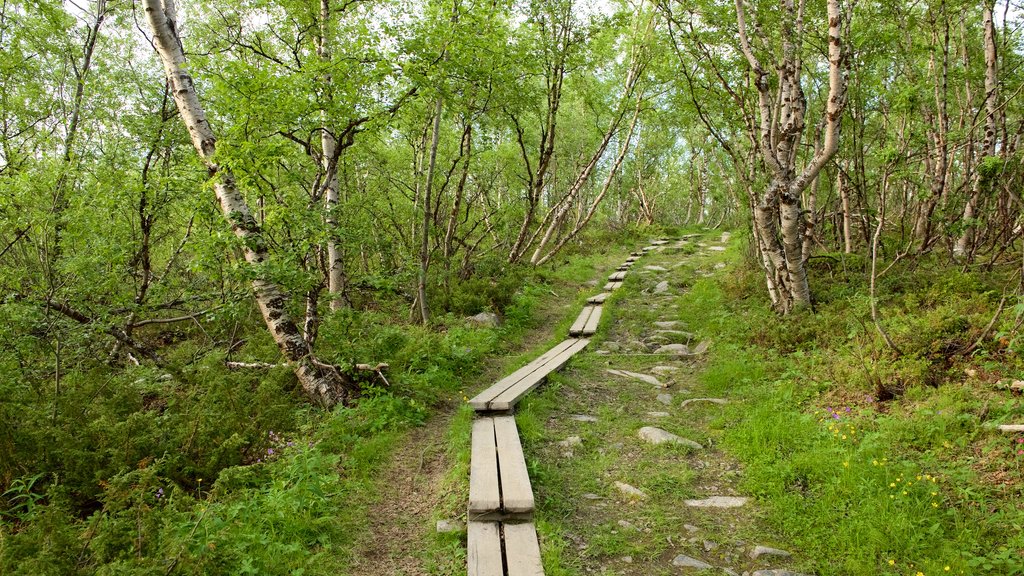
point(322, 383)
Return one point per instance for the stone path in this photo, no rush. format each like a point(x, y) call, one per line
point(631, 479)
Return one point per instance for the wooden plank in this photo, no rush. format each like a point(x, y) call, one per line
point(632, 259)
point(516, 493)
point(1011, 427)
point(481, 400)
point(581, 321)
point(617, 277)
point(507, 399)
point(612, 286)
point(592, 322)
point(599, 299)
point(484, 492)
point(483, 553)
point(522, 550)
point(659, 242)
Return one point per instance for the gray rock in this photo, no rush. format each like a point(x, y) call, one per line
point(759, 551)
point(658, 414)
point(571, 441)
point(712, 400)
point(626, 524)
point(725, 237)
point(665, 399)
point(485, 320)
point(627, 559)
point(684, 561)
point(701, 348)
point(642, 377)
point(448, 526)
point(717, 248)
point(583, 418)
point(720, 266)
point(592, 496)
point(776, 572)
point(678, 349)
point(661, 287)
point(630, 491)
point(658, 436)
point(690, 528)
point(709, 545)
point(654, 268)
point(719, 502)
point(667, 323)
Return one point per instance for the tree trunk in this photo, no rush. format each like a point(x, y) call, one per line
point(322, 383)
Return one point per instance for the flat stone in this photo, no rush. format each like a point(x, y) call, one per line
point(661, 287)
point(665, 399)
point(627, 559)
point(485, 320)
point(709, 545)
point(583, 418)
point(642, 377)
point(712, 400)
point(658, 436)
point(630, 491)
point(658, 414)
point(759, 551)
point(717, 248)
point(571, 441)
point(690, 528)
point(720, 266)
point(654, 268)
point(719, 502)
point(678, 349)
point(664, 370)
point(701, 348)
point(592, 497)
point(666, 323)
point(626, 524)
point(448, 526)
point(684, 561)
point(776, 573)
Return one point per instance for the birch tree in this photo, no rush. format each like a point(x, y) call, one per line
point(323, 383)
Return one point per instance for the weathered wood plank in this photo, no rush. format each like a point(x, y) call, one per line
point(484, 492)
point(581, 321)
point(617, 276)
point(516, 493)
point(599, 298)
point(1011, 427)
point(632, 259)
point(481, 400)
point(507, 399)
point(659, 242)
point(592, 322)
point(612, 286)
point(483, 554)
point(522, 550)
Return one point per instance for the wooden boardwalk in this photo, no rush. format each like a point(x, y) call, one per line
point(501, 535)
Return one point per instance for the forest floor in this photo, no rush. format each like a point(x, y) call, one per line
point(586, 523)
point(819, 473)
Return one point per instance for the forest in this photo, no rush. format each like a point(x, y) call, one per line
point(255, 254)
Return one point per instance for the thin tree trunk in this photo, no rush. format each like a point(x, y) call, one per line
point(322, 383)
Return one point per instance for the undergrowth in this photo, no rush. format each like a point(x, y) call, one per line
point(214, 471)
point(872, 460)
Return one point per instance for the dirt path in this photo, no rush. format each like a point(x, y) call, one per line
point(417, 486)
point(413, 487)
